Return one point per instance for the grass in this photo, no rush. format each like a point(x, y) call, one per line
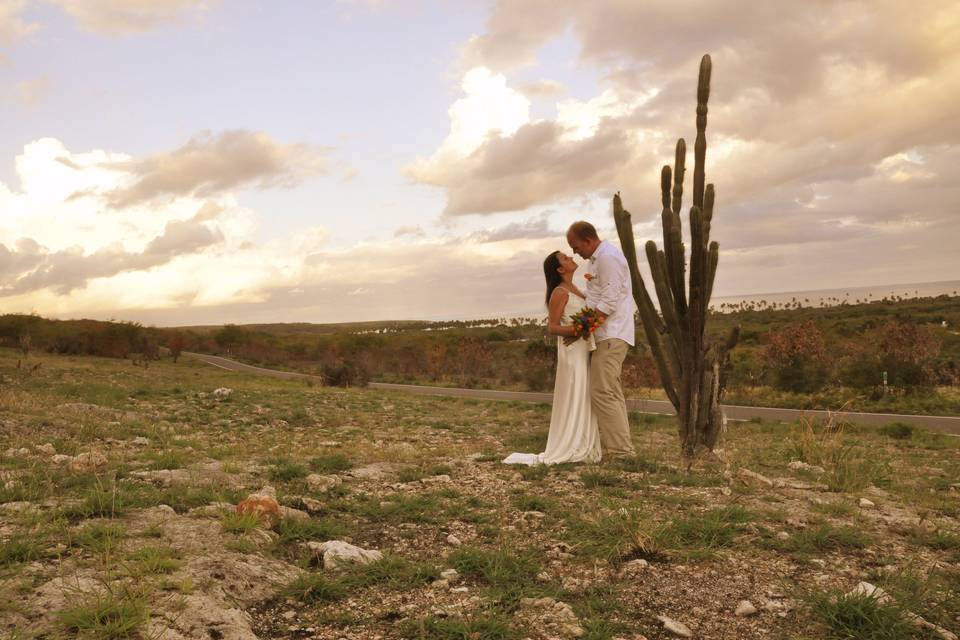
point(293, 530)
point(391, 572)
point(823, 538)
point(607, 514)
point(155, 560)
point(285, 470)
point(845, 616)
point(239, 523)
point(493, 625)
point(699, 535)
point(316, 587)
point(99, 537)
point(106, 617)
point(507, 574)
point(330, 463)
point(20, 549)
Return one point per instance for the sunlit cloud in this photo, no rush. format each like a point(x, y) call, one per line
point(122, 17)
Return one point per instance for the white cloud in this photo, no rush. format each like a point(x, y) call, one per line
point(13, 26)
point(122, 17)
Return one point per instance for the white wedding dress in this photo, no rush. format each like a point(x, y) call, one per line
point(573, 433)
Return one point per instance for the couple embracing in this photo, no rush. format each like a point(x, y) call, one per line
point(589, 416)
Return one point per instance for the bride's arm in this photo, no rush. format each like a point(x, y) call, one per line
point(558, 301)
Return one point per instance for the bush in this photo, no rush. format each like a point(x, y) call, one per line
point(897, 431)
point(345, 374)
point(796, 357)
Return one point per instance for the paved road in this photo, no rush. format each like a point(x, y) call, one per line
point(946, 424)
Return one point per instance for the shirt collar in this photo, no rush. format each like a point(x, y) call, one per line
point(599, 249)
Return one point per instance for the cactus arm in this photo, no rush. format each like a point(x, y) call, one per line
point(700, 145)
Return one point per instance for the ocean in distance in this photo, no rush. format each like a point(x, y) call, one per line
point(827, 297)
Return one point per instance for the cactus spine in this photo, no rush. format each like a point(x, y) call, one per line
point(691, 370)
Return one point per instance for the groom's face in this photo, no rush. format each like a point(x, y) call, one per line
point(581, 247)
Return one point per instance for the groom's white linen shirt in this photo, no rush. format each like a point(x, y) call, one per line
point(611, 292)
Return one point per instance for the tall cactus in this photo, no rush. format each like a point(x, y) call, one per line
point(693, 372)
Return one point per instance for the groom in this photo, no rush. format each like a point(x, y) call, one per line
point(610, 292)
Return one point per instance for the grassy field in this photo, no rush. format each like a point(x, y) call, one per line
point(117, 486)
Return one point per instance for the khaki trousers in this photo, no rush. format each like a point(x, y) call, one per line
point(606, 397)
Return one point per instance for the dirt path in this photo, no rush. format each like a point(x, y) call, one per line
point(945, 424)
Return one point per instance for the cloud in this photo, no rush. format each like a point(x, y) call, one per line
point(31, 267)
point(532, 228)
point(209, 164)
point(33, 91)
point(123, 17)
point(542, 89)
point(414, 231)
point(538, 164)
point(805, 104)
point(13, 27)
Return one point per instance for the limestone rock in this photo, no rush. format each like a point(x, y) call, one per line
point(799, 465)
point(745, 608)
point(222, 393)
point(674, 627)
point(288, 513)
point(753, 478)
point(548, 618)
point(866, 504)
point(634, 567)
point(47, 449)
point(338, 554)
point(265, 507)
point(88, 462)
point(376, 471)
point(60, 459)
point(453, 540)
point(321, 484)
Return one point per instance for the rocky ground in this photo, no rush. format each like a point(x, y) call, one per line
point(182, 501)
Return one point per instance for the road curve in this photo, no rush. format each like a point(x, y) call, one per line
point(946, 424)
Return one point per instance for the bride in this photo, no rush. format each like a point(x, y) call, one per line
point(573, 433)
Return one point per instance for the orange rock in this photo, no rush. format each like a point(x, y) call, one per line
point(266, 508)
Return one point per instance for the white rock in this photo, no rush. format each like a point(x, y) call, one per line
point(783, 535)
point(674, 627)
point(745, 608)
point(752, 477)
point(288, 513)
point(222, 393)
point(47, 449)
point(634, 566)
point(321, 484)
point(88, 462)
point(61, 459)
point(866, 504)
point(453, 540)
point(799, 465)
point(140, 441)
point(338, 554)
point(450, 575)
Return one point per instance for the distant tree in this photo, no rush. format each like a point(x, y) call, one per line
point(175, 343)
point(24, 343)
point(796, 357)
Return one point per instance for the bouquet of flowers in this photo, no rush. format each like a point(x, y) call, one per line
point(586, 321)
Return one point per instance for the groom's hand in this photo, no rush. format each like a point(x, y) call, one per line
point(569, 340)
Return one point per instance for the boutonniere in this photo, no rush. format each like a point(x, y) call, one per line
point(589, 276)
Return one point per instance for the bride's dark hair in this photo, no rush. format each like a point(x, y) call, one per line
point(550, 266)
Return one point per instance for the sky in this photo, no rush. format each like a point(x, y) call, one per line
point(181, 162)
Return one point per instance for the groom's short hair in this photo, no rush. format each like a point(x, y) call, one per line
point(584, 230)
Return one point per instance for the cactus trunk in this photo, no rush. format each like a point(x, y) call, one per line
point(692, 372)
